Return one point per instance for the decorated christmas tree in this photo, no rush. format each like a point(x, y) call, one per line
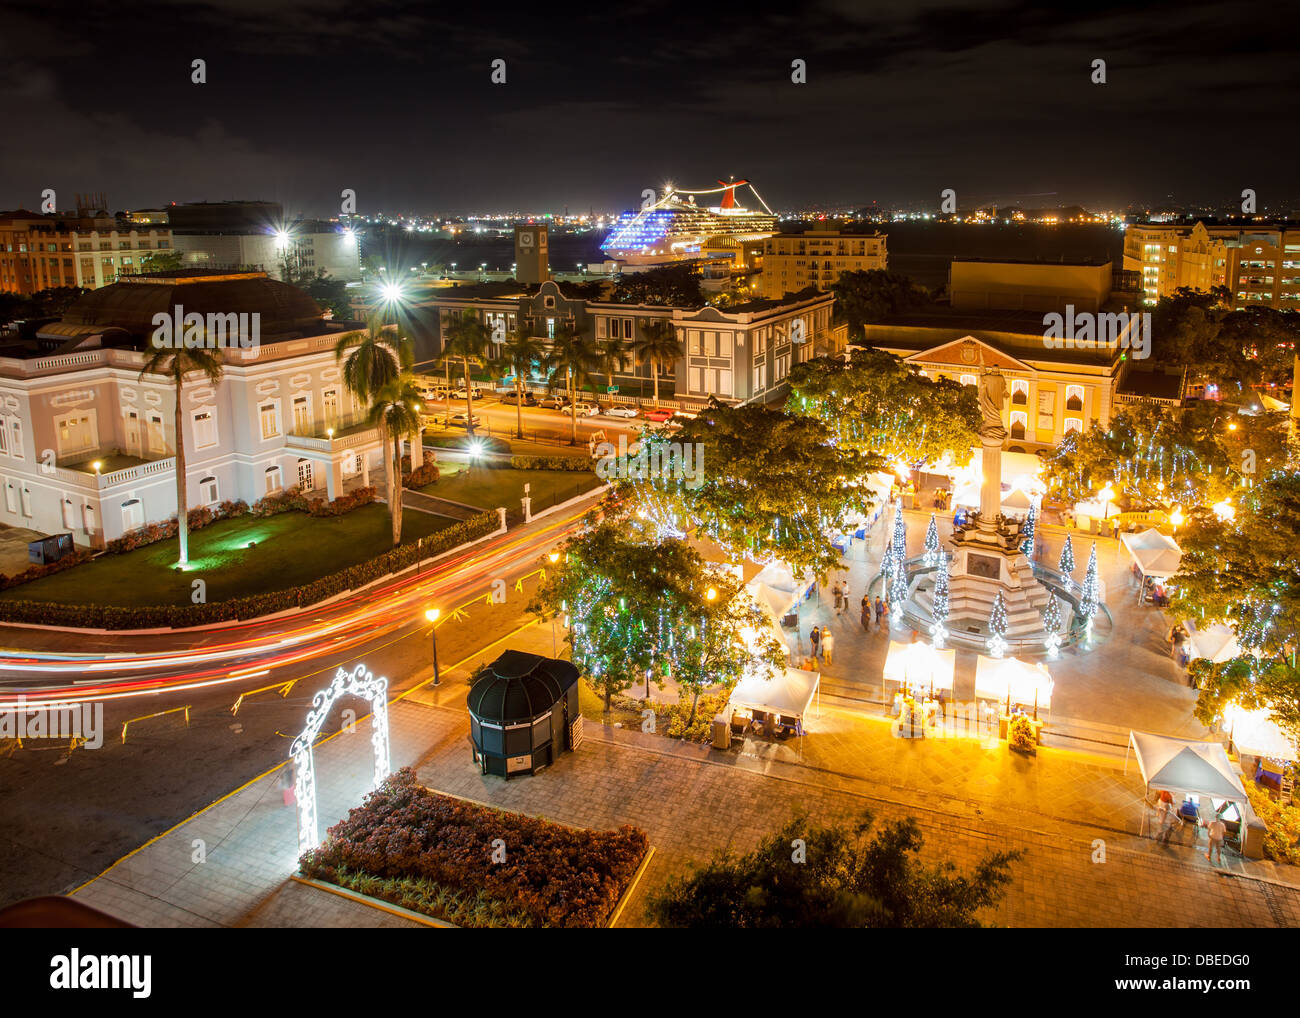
point(1066, 564)
point(897, 590)
point(1052, 625)
point(997, 643)
point(932, 542)
point(1027, 531)
point(900, 533)
point(940, 602)
point(1091, 592)
point(887, 565)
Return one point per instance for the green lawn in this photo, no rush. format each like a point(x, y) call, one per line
point(292, 548)
point(488, 488)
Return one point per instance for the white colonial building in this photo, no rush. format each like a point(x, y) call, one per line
point(87, 445)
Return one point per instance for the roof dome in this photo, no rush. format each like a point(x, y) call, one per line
point(518, 687)
point(131, 303)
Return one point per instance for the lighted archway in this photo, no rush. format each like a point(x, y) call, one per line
point(359, 682)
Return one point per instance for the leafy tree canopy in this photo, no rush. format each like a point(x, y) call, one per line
point(877, 403)
point(675, 285)
point(769, 485)
point(1154, 455)
point(864, 297)
point(638, 605)
point(845, 879)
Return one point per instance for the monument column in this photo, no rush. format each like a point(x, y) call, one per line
point(992, 393)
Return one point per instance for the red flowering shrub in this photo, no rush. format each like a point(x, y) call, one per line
point(73, 558)
point(552, 874)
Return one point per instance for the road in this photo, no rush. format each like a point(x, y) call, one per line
point(548, 427)
point(67, 815)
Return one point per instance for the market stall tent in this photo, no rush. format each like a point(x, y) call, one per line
point(790, 692)
point(1216, 642)
point(1156, 556)
point(919, 664)
point(1010, 680)
point(1255, 733)
point(1185, 765)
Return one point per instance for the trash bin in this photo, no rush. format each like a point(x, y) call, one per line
point(721, 732)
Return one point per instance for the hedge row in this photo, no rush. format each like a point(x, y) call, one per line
point(544, 463)
point(92, 616)
point(73, 558)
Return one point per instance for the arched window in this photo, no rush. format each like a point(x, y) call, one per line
point(1019, 419)
point(1074, 398)
point(208, 490)
point(1019, 392)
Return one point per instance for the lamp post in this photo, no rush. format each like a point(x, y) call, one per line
point(554, 557)
point(432, 615)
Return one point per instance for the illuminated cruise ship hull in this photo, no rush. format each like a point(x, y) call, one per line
point(675, 228)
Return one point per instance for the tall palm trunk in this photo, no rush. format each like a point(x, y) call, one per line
point(519, 407)
point(396, 504)
point(447, 417)
point(469, 402)
point(654, 369)
point(182, 509)
point(573, 406)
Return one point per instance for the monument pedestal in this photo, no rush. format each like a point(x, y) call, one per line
point(987, 559)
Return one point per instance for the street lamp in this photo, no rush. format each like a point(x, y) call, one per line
point(711, 594)
point(554, 557)
point(432, 615)
point(97, 465)
point(1176, 518)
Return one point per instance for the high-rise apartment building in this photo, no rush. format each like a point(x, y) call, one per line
point(792, 262)
point(1260, 265)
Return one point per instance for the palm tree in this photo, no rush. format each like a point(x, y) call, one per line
point(392, 410)
point(467, 340)
point(571, 353)
point(175, 364)
point(374, 358)
point(658, 347)
point(520, 352)
point(611, 356)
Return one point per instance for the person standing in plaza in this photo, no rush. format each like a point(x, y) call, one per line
point(839, 596)
point(1167, 823)
point(814, 641)
point(1216, 829)
point(880, 610)
point(828, 644)
point(866, 613)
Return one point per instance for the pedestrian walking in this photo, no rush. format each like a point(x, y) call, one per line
point(839, 596)
point(1167, 824)
point(828, 644)
point(880, 610)
point(814, 641)
point(1216, 829)
point(866, 613)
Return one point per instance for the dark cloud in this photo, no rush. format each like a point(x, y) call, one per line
point(394, 100)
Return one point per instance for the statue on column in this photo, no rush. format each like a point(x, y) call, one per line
point(992, 395)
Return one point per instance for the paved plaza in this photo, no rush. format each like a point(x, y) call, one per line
point(1074, 810)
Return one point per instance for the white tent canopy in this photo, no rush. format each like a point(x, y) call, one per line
point(919, 664)
point(789, 692)
point(1255, 733)
point(774, 604)
point(1154, 553)
point(1216, 642)
point(1186, 766)
point(1009, 677)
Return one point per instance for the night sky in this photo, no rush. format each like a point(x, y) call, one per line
point(602, 100)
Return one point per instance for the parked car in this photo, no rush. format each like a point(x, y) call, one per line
point(461, 394)
point(430, 391)
point(659, 416)
point(458, 421)
point(587, 409)
point(511, 398)
point(553, 401)
point(622, 411)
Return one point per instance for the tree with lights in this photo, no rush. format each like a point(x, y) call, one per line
point(636, 605)
point(771, 486)
point(1027, 531)
point(1090, 593)
point(1052, 625)
point(997, 641)
point(876, 403)
point(899, 545)
point(1066, 564)
point(940, 604)
point(898, 590)
point(932, 542)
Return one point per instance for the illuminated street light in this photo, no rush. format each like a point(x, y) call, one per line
point(1176, 518)
point(97, 465)
point(711, 594)
point(1224, 510)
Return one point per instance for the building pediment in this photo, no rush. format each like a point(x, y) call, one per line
point(970, 353)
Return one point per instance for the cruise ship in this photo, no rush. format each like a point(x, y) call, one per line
point(678, 228)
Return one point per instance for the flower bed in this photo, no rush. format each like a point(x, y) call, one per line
point(412, 846)
point(1283, 822)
